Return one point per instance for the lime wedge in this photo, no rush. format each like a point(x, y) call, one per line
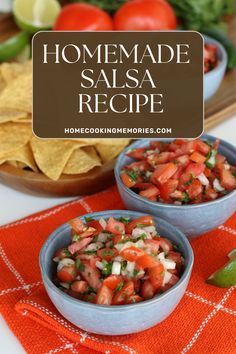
point(35, 15)
point(225, 276)
point(13, 46)
point(24, 55)
point(232, 254)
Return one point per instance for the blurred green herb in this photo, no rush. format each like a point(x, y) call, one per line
point(108, 5)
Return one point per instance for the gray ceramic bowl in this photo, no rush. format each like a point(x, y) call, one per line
point(115, 320)
point(192, 220)
point(213, 78)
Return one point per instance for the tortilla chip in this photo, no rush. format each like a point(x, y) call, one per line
point(13, 136)
point(21, 157)
point(82, 160)
point(51, 156)
point(2, 82)
point(10, 71)
point(109, 142)
point(109, 152)
point(11, 115)
point(18, 94)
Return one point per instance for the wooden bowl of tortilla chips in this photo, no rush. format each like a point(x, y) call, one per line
point(47, 167)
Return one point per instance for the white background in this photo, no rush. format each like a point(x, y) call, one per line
point(15, 205)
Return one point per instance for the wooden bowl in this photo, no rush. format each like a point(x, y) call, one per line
point(68, 185)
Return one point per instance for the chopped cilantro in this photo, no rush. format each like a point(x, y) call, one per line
point(107, 253)
point(79, 265)
point(117, 228)
point(88, 218)
point(135, 272)
point(89, 252)
point(75, 238)
point(126, 240)
point(141, 225)
point(107, 269)
point(188, 182)
point(186, 198)
point(92, 290)
point(123, 265)
point(67, 253)
point(124, 220)
point(142, 237)
point(95, 238)
point(132, 174)
point(208, 143)
point(119, 286)
point(176, 248)
point(233, 173)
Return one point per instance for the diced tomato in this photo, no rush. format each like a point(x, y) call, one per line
point(227, 180)
point(122, 295)
point(203, 147)
point(67, 274)
point(163, 172)
point(164, 157)
point(104, 296)
point(138, 166)
point(184, 181)
point(79, 286)
point(195, 169)
point(137, 154)
point(150, 192)
point(137, 284)
point(90, 231)
point(78, 245)
point(178, 173)
point(143, 220)
point(127, 180)
point(207, 172)
point(167, 188)
point(146, 261)
point(220, 159)
point(91, 275)
point(89, 298)
point(117, 238)
point(107, 253)
point(173, 280)
point(77, 225)
point(152, 245)
point(115, 227)
point(210, 194)
point(166, 245)
point(133, 299)
point(156, 145)
point(194, 189)
point(197, 157)
point(132, 253)
point(147, 290)
point(62, 253)
point(216, 144)
point(90, 258)
point(156, 275)
point(112, 281)
point(74, 294)
point(96, 225)
point(183, 160)
point(180, 141)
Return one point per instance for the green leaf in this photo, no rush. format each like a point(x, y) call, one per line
point(119, 286)
point(79, 265)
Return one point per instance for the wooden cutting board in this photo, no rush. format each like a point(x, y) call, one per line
point(217, 109)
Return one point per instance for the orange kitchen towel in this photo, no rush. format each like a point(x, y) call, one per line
point(203, 322)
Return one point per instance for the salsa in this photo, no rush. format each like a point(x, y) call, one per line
point(210, 57)
point(117, 261)
point(179, 172)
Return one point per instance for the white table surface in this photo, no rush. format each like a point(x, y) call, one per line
point(15, 205)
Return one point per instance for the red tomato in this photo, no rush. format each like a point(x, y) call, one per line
point(104, 296)
point(79, 286)
point(67, 274)
point(163, 157)
point(132, 253)
point(107, 253)
point(147, 290)
point(184, 180)
point(156, 275)
point(137, 154)
point(210, 194)
point(112, 281)
point(195, 169)
point(207, 172)
point(176, 257)
point(91, 275)
point(83, 17)
point(145, 15)
point(167, 188)
point(115, 227)
point(197, 157)
point(95, 224)
point(165, 245)
point(163, 172)
point(127, 180)
point(227, 180)
point(133, 299)
point(122, 295)
point(77, 225)
point(78, 245)
point(183, 160)
point(195, 189)
point(62, 253)
point(143, 220)
point(152, 245)
point(151, 192)
point(146, 261)
point(203, 147)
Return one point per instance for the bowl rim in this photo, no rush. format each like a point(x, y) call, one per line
point(221, 62)
point(62, 228)
point(165, 205)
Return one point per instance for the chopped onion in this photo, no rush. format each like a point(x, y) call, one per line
point(103, 237)
point(118, 259)
point(99, 265)
point(168, 263)
point(217, 186)
point(203, 179)
point(65, 285)
point(137, 232)
point(139, 244)
point(116, 268)
point(103, 223)
point(56, 259)
point(150, 229)
point(78, 277)
point(161, 256)
point(94, 246)
point(226, 166)
point(167, 277)
point(64, 263)
point(130, 267)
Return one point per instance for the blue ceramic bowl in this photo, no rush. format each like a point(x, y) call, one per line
point(213, 78)
point(114, 320)
point(192, 220)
